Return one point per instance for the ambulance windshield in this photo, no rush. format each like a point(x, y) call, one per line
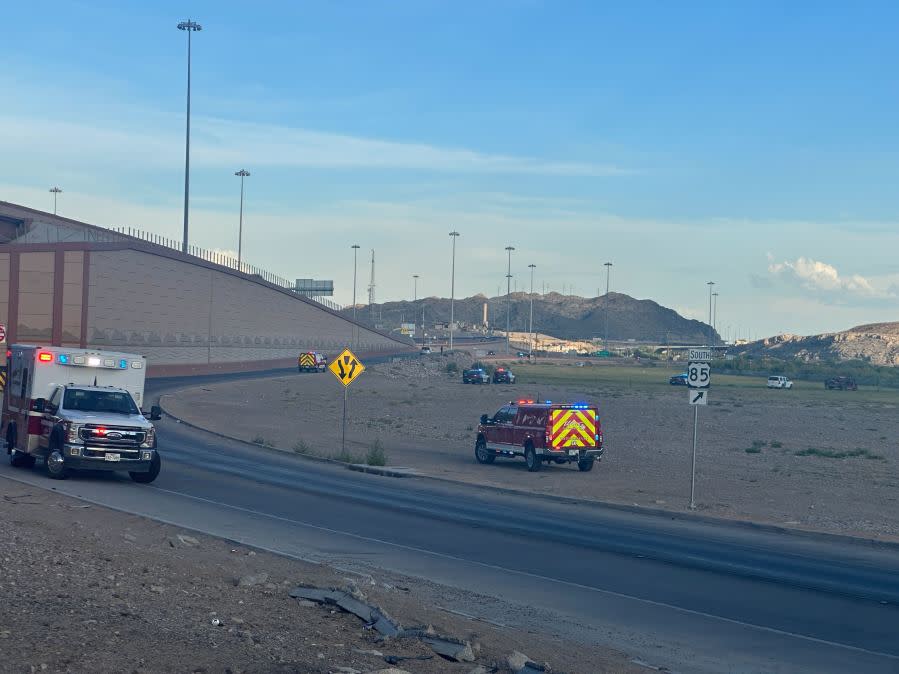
point(89, 400)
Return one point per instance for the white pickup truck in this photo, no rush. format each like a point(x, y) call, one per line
point(79, 409)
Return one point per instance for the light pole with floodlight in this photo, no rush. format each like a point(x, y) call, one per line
point(55, 191)
point(191, 27)
point(509, 250)
point(243, 173)
point(455, 235)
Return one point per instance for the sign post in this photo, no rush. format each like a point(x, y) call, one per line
point(699, 377)
point(346, 367)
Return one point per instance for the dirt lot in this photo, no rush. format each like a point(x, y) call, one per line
point(87, 589)
point(804, 458)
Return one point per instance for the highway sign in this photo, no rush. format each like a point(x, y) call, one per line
point(699, 375)
point(701, 355)
point(346, 367)
point(2, 333)
point(700, 397)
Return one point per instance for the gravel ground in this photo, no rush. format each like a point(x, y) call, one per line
point(747, 466)
point(88, 589)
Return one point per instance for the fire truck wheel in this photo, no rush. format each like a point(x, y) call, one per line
point(585, 465)
point(482, 454)
point(150, 475)
point(533, 461)
point(56, 465)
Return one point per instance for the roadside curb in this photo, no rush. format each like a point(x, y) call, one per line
point(359, 467)
point(381, 470)
point(569, 500)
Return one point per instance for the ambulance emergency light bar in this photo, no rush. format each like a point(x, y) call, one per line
point(82, 360)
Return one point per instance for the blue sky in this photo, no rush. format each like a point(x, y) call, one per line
point(752, 144)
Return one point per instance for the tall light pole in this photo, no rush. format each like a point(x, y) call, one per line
point(355, 248)
point(190, 27)
point(710, 284)
point(243, 173)
point(605, 343)
point(55, 191)
point(454, 235)
point(532, 267)
point(415, 298)
point(509, 250)
point(715, 311)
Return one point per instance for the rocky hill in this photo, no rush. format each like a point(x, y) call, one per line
point(875, 343)
point(563, 316)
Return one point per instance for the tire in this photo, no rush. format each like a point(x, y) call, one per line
point(533, 461)
point(150, 475)
point(585, 465)
point(482, 454)
point(55, 463)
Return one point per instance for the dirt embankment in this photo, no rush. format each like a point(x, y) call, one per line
point(87, 589)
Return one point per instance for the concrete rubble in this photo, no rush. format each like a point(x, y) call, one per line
point(375, 618)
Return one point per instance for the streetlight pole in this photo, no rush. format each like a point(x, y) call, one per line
point(509, 250)
point(710, 284)
point(190, 27)
point(415, 298)
point(605, 344)
point(355, 248)
point(55, 191)
point(243, 173)
point(455, 235)
point(715, 311)
point(532, 267)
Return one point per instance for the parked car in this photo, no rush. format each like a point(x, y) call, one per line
point(780, 382)
point(475, 375)
point(522, 354)
point(678, 379)
point(503, 375)
point(841, 384)
point(491, 353)
point(425, 350)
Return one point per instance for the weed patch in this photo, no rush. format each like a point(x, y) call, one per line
point(828, 453)
point(376, 455)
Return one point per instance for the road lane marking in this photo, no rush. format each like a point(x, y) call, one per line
point(535, 576)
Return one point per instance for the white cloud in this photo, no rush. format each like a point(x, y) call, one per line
point(822, 278)
point(156, 141)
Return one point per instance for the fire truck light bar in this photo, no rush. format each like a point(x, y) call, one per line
point(45, 357)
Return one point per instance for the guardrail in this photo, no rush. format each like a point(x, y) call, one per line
point(216, 257)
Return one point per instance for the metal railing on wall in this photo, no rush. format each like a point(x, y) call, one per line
point(213, 256)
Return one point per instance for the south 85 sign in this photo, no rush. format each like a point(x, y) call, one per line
point(699, 375)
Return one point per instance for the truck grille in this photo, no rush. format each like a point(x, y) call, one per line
point(112, 437)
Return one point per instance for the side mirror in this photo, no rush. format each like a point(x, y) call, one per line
point(155, 413)
point(485, 419)
point(39, 404)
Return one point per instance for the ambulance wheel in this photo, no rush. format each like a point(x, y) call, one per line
point(56, 465)
point(533, 461)
point(482, 454)
point(150, 475)
point(585, 465)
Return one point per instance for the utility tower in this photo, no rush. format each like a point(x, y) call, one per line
point(371, 288)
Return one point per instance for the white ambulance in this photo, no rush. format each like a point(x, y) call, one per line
point(79, 409)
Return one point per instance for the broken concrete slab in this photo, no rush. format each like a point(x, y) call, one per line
point(450, 648)
point(373, 616)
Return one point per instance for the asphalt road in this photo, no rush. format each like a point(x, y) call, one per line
point(688, 595)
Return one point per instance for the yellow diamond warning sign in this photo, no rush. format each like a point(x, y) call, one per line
point(346, 367)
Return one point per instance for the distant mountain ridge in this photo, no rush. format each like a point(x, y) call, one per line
point(875, 343)
point(563, 316)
